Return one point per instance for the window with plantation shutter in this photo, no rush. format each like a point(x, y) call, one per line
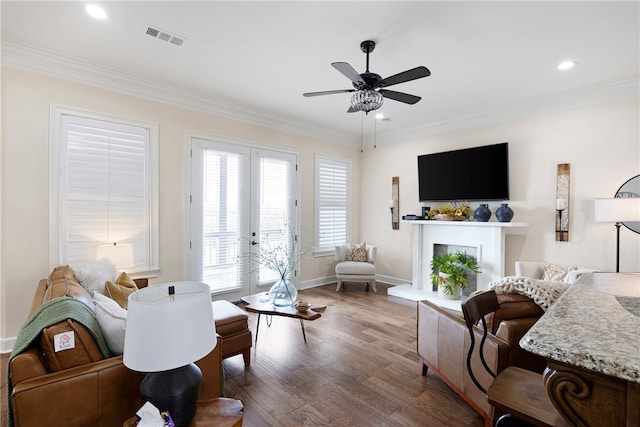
point(332, 182)
point(104, 189)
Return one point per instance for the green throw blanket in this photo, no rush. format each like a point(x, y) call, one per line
point(50, 313)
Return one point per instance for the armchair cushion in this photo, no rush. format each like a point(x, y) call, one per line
point(357, 253)
point(355, 268)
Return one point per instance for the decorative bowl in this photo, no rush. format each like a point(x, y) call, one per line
point(302, 306)
point(443, 217)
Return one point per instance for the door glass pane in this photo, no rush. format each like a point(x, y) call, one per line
point(275, 197)
point(220, 220)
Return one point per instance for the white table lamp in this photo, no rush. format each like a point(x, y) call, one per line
point(617, 210)
point(120, 254)
point(169, 327)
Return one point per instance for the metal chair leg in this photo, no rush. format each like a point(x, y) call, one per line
point(303, 334)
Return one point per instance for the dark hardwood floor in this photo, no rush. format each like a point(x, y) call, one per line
point(359, 367)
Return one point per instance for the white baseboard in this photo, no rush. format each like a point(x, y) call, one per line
point(332, 279)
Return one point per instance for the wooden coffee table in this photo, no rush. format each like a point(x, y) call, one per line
point(255, 305)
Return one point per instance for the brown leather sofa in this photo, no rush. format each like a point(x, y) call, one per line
point(443, 343)
point(79, 387)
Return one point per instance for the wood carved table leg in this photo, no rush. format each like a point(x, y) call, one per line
point(586, 398)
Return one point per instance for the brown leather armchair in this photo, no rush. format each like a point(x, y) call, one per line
point(83, 389)
point(443, 343)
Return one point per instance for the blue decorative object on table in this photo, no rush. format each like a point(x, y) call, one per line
point(482, 213)
point(504, 213)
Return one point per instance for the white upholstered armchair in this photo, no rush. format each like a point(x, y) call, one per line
point(349, 270)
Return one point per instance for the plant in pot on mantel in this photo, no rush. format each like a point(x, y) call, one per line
point(449, 271)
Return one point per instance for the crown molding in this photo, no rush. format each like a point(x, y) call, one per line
point(66, 68)
point(609, 92)
point(35, 60)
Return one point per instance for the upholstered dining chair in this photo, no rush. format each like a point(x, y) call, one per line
point(519, 395)
point(355, 263)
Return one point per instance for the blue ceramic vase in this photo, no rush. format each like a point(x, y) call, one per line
point(504, 213)
point(482, 213)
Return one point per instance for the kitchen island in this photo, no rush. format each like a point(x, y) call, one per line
point(591, 340)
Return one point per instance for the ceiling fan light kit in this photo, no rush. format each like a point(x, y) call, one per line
point(366, 100)
point(368, 87)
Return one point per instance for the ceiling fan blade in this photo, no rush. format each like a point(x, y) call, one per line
point(405, 76)
point(327, 92)
point(400, 96)
point(349, 73)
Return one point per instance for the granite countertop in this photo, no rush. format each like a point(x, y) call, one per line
point(595, 325)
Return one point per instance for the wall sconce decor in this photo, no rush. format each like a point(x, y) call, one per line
point(562, 203)
point(394, 204)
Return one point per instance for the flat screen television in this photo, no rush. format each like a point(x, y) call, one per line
point(478, 173)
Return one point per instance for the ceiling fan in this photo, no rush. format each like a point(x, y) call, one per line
point(369, 87)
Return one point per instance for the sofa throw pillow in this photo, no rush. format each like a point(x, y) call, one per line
point(554, 273)
point(121, 289)
point(357, 252)
point(112, 320)
point(94, 275)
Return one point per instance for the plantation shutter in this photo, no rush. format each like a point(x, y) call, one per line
point(332, 207)
point(104, 189)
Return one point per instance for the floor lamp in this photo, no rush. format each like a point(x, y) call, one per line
point(617, 210)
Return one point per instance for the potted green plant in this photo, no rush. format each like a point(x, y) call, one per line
point(449, 271)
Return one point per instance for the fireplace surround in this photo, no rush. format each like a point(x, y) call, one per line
point(487, 239)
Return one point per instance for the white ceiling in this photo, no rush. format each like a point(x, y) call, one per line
point(253, 60)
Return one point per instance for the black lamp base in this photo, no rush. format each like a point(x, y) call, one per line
point(175, 390)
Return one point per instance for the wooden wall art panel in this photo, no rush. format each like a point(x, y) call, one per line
point(562, 203)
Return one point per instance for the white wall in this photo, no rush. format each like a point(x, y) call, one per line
point(602, 145)
point(26, 99)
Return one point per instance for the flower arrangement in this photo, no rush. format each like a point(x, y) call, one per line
point(280, 252)
point(454, 210)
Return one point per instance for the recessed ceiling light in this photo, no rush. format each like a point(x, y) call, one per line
point(96, 11)
point(379, 116)
point(566, 65)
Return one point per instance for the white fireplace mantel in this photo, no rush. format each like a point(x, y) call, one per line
point(487, 237)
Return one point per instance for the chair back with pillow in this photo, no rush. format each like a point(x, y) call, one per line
point(355, 263)
point(517, 395)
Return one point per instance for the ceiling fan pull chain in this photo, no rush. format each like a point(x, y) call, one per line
point(375, 133)
point(362, 133)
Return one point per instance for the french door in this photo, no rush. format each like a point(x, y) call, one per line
point(239, 196)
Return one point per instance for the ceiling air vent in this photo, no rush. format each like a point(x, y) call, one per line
point(163, 35)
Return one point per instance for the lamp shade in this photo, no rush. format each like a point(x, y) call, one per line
point(618, 209)
point(166, 332)
point(120, 254)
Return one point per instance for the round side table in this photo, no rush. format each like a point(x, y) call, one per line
point(219, 412)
